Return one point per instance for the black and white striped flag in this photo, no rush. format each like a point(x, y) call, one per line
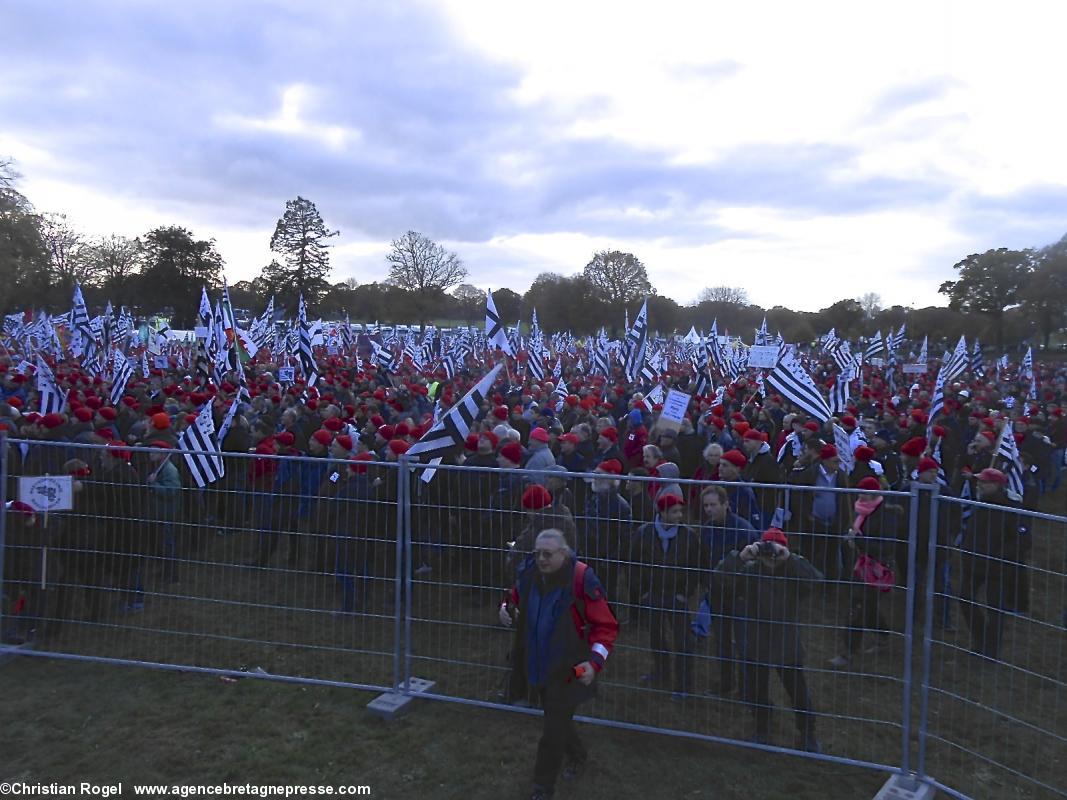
point(495, 332)
point(307, 355)
point(958, 362)
point(1011, 463)
point(976, 361)
point(874, 347)
point(454, 426)
point(839, 395)
point(1026, 368)
point(205, 462)
point(636, 344)
point(227, 421)
point(791, 381)
point(52, 399)
point(121, 372)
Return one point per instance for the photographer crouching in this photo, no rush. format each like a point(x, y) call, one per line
point(564, 632)
point(761, 585)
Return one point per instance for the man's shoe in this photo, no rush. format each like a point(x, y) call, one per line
point(573, 769)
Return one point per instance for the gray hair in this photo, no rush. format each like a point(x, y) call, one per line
point(712, 449)
point(558, 535)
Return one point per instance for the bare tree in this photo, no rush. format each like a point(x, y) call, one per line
point(113, 259)
point(424, 268)
point(871, 303)
point(723, 294)
point(68, 251)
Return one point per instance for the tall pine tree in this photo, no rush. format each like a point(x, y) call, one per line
point(300, 238)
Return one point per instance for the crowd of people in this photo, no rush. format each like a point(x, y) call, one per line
point(712, 527)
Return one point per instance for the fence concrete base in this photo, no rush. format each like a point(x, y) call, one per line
point(905, 787)
point(393, 705)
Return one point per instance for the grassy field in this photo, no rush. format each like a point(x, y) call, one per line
point(73, 722)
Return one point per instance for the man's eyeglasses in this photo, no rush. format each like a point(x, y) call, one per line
point(546, 553)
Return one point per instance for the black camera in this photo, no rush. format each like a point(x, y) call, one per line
point(766, 549)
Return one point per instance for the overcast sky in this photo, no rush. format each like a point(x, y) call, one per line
point(806, 152)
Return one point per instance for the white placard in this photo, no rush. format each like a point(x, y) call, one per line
point(200, 332)
point(914, 369)
point(286, 374)
point(675, 406)
point(46, 492)
point(877, 362)
point(161, 362)
point(763, 356)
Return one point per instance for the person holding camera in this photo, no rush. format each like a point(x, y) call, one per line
point(564, 633)
point(761, 584)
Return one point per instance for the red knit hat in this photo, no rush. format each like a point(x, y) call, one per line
point(827, 451)
point(512, 452)
point(322, 436)
point(536, 497)
point(735, 457)
point(776, 535)
point(665, 501)
point(610, 467)
point(926, 464)
point(870, 483)
point(610, 433)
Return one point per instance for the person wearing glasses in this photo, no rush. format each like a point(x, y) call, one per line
point(564, 633)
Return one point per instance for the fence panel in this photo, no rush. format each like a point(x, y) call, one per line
point(698, 649)
point(285, 565)
point(995, 673)
point(953, 665)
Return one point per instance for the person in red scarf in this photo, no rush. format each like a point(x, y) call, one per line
point(871, 543)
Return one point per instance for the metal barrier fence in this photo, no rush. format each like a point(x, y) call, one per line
point(363, 574)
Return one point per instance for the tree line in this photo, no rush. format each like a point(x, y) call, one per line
point(1003, 296)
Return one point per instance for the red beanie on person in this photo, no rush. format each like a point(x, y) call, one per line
point(512, 452)
point(536, 497)
point(776, 535)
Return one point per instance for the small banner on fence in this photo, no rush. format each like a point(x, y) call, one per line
point(46, 492)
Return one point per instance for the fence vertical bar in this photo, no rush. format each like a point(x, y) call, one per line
point(401, 491)
point(928, 627)
point(405, 476)
point(909, 611)
point(3, 525)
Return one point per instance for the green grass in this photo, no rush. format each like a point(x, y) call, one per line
point(71, 722)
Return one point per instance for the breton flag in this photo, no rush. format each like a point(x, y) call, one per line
point(839, 395)
point(958, 362)
point(203, 331)
point(495, 332)
point(937, 401)
point(842, 356)
point(791, 381)
point(762, 336)
point(636, 344)
point(535, 353)
point(601, 359)
point(452, 429)
point(874, 347)
point(227, 421)
point(52, 399)
point(307, 357)
point(121, 372)
point(976, 361)
point(1026, 369)
point(83, 340)
point(1011, 464)
point(829, 340)
point(895, 340)
point(922, 353)
point(144, 364)
point(204, 461)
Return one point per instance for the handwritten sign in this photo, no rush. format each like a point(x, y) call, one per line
point(763, 356)
point(46, 492)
